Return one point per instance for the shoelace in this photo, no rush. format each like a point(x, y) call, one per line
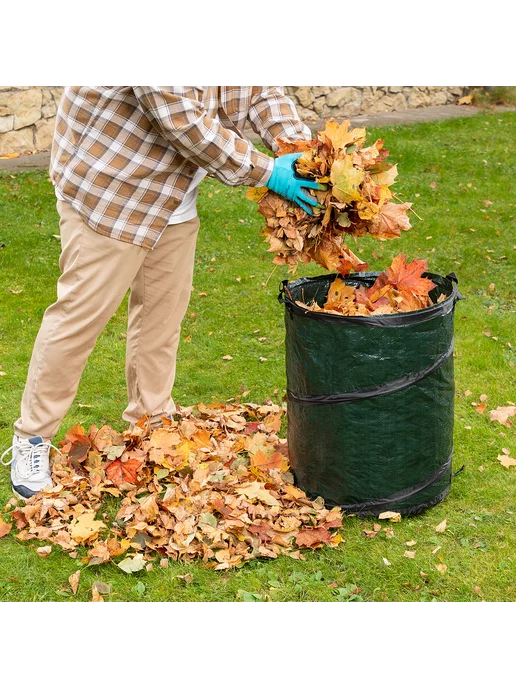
point(32, 455)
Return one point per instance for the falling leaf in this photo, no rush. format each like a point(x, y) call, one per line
point(465, 100)
point(468, 393)
point(386, 561)
point(132, 564)
point(74, 581)
point(442, 568)
point(16, 291)
point(441, 527)
point(43, 552)
point(410, 553)
point(480, 408)
point(227, 357)
point(483, 397)
point(411, 543)
point(393, 516)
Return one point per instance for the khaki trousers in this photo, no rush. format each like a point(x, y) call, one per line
point(96, 272)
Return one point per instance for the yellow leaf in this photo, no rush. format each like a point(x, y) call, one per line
point(465, 100)
point(257, 490)
point(346, 179)
point(393, 516)
point(386, 177)
point(256, 193)
point(85, 527)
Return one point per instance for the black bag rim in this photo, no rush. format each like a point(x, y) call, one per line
point(387, 320)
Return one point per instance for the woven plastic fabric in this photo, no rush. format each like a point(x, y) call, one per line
point(370, 399)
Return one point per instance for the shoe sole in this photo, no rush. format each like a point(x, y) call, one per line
point(19, 496)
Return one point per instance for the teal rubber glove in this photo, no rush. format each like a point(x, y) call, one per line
point(285, 182)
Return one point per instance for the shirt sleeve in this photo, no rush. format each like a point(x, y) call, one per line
point(273, 114)
point(183, 121)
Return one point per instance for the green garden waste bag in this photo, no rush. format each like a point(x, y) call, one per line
point(370, 399)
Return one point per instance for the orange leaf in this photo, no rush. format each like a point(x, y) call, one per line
point(266, 463)
point(408, 276)
point(313, 537)
point(126, 472)
point(4, 527)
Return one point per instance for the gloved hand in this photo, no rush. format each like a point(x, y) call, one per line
point(285, 182)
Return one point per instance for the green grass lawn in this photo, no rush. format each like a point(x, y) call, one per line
point(459, 174)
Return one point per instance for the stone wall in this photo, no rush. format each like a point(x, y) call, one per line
point(27, 118)
point(316, 103)
point(27, 113)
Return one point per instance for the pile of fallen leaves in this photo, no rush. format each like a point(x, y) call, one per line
point(400, 288)
point(355, 200)
point(213, 485)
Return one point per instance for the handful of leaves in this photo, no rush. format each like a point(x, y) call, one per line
point(355, 200)
point(400, 288)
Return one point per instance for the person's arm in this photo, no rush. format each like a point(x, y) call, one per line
point(272, 114)
point(183, 121)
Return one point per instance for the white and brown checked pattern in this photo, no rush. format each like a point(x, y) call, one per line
point(124, 156)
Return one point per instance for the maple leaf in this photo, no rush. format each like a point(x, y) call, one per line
point(123, 472)
point(390, 221)
point(502, 415)
point(84, 527)
point(506, 460)
point(313, 537)
point(408, 276)
point(339, 134)
point(346, 178)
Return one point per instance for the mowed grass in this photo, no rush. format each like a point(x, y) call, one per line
point(459, 174)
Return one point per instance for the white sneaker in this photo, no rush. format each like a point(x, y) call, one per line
point(30, 465)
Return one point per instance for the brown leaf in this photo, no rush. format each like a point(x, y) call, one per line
point(74, 581)
point(441, 527)
point(44, 551)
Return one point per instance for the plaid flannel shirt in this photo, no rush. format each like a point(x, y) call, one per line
point(124, 156)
